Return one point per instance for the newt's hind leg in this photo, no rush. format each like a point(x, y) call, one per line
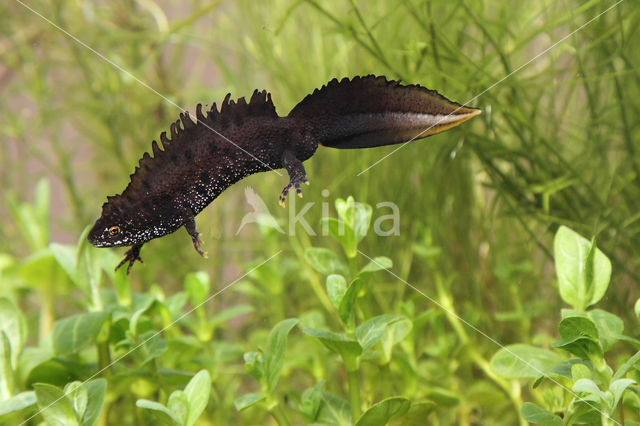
point(297, 175)
point(190, 226)
point(131, 256)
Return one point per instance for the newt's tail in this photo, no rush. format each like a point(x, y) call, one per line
point(371, 111)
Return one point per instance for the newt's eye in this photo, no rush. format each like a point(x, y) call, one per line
point(114, 230)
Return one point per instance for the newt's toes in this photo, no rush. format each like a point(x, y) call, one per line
point(132, 255)
point(284, 193)
point(200, 252)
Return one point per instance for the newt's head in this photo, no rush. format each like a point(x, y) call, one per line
point(116, 226)
point(109, 233)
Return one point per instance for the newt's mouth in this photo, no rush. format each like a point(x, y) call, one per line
point(96, 240)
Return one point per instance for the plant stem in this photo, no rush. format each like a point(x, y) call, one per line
point(316, 285)
point(104, 357)
point(279, 415)
point(445, 301)
point(354, 394)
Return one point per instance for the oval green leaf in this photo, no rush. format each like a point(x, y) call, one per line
point(197, 392)
point(583, 270)
point(522, 361)
point(56, 408)
point(538, 415)
point(276, 346)
point(325, 261)
point(74, 333)
point(382, 412)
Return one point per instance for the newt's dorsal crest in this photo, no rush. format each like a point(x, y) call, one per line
point(177, 148)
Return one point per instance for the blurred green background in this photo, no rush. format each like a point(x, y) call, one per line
point(557, 144)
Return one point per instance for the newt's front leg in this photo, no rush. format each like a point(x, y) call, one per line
point(131, 256)
point(297, 175)
point(190, 226)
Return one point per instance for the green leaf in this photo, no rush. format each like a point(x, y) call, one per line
point(442, 396)
point(580, 337)
point(583, 347)
point(609, 327)
point(348, 349)
point(197, 286)
point(96, 390)
point(361, 219)
point(17, 402)
point(122, 285)
point(356, 219)
point(356, 215)
point(563, 368)
point(336, 289)
point(583, 270)
point(310, 402)
point(348, 302)
point(74, 333)
point(578, 326)
point(179, 406)
point(378, 263)
point(33, 219)
point(67, 258)
point(522, 361)
point(225, 315)
point(394, 333)
point(254, 364)
point(636, 308)
point(580, 371)
point(589, 387)
point(247, 400)
point(13, 324)
point(41, 269)
point(371, 332)
point(325, 261)
point(197, 392)
point(382, 412)
point(46, 370)
point(343, 234)
point(538, 415)
point(6, 371)
point(627, 366)
point(585, 414)
point(161, 414)
point(138, 315)
point(416, 415)
point(276, 346)
point(56, 408)
point(617, 387)
point(79, 397)
point(153, 347)
point(333, 410)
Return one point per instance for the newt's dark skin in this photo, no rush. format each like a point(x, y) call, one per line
point(196, 163)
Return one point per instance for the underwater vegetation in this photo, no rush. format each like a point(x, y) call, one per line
point(485, 275)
